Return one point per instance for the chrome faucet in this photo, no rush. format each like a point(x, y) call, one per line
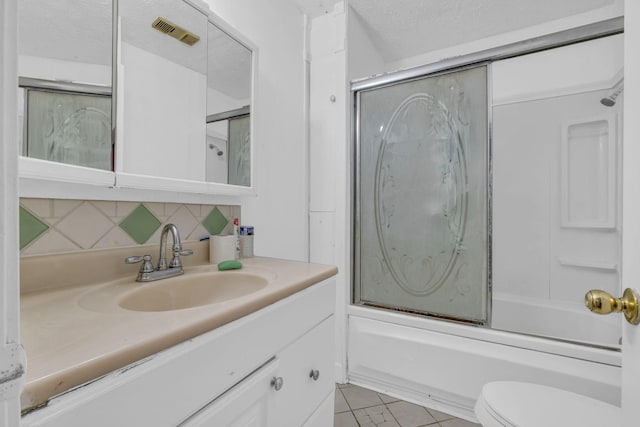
point(148, 273)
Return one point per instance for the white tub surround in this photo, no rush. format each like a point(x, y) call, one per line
point(562, 320)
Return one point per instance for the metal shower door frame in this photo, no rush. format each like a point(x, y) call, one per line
point(562, 38)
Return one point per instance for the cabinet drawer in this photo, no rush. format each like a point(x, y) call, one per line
point(307, 371)
point(245, 405)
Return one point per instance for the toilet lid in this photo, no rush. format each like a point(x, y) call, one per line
point(531, 405)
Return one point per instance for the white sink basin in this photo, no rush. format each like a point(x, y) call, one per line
point(189, 291)
point(193, 289)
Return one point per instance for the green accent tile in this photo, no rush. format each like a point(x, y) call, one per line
point(215, 222)
point(140, 224)
point(30, 227)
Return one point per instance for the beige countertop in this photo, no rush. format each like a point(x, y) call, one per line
point(75, 334)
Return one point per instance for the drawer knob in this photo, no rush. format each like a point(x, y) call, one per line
point(276, 383)
point(314, 374)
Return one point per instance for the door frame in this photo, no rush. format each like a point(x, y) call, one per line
point(12, 358)
point(631, 209)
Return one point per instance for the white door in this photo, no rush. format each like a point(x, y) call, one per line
point(12, 360)
point(631, 211)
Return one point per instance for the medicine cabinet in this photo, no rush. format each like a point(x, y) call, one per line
point(168, 109)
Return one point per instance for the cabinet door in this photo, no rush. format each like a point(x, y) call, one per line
point(307, 370)
point(323, 416)
point(247, 404)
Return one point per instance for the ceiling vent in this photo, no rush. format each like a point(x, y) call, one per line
point(165, 26)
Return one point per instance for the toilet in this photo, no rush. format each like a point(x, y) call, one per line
point(518, 404)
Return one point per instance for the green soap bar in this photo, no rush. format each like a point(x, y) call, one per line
point(229, 265)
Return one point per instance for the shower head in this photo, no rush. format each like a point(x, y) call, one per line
point(610, 101)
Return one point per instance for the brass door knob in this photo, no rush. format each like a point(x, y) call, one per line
point(601, 302)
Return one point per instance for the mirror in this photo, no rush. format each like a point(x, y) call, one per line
point(183, 102)
point(163, 84)
point(185, 110)
point(65, 70)
point(228, 109)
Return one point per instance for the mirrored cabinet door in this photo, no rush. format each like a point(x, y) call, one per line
point(65, 86)
point(162, 79)
point(179, 98)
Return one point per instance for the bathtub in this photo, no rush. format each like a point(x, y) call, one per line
point(444, 365)
point(561, 320)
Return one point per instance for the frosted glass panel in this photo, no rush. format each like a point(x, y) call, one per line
point(240, 151)
point(422, 229)
point(69, 128)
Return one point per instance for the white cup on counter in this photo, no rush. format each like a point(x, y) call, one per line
point(221, 248)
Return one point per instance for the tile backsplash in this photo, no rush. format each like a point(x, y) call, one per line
point(49, 226)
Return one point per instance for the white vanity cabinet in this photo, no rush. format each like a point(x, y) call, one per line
point(282, 393)
point(225, 377)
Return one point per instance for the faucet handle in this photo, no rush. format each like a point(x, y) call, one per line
point(175, 261)
point(147, 265)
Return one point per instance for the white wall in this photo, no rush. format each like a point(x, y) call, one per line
point(218, 102)
point(363, 58)
point(57, 69)
point(280, 210)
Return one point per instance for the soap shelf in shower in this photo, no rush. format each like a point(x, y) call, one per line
point(606, 266)
point(589, 173)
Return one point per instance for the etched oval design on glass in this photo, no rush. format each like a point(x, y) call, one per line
point(420, 197)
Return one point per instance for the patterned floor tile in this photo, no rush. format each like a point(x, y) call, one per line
point(345, 419)
point(358, 397)
point(410, 415)
point(340, 402)
point(360, 407)
point(375, 416)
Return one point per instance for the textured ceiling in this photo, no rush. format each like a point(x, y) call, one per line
point(229, 65)
point(72, 30)
point(136, 17)
point(80, 31)
point(405, 28)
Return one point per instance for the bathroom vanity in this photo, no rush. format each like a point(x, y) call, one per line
point(263, 357)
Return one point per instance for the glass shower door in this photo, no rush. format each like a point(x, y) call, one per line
point(422, 196)
point(240, 151)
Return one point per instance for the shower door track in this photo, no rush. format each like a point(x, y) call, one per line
point(596, 30)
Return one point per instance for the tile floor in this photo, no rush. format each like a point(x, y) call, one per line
point(359, 407)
